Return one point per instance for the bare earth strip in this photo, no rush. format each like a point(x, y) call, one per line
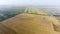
point(6, 30)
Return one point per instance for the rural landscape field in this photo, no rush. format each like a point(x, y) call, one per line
point(29, 20)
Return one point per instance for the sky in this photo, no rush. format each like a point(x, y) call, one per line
point(30, 2)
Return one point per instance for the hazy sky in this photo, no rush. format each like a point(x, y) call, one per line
point(29, 2)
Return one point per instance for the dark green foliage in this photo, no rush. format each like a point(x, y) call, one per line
point(10, 13)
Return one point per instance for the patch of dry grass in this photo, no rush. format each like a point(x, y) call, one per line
point(31, 24)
